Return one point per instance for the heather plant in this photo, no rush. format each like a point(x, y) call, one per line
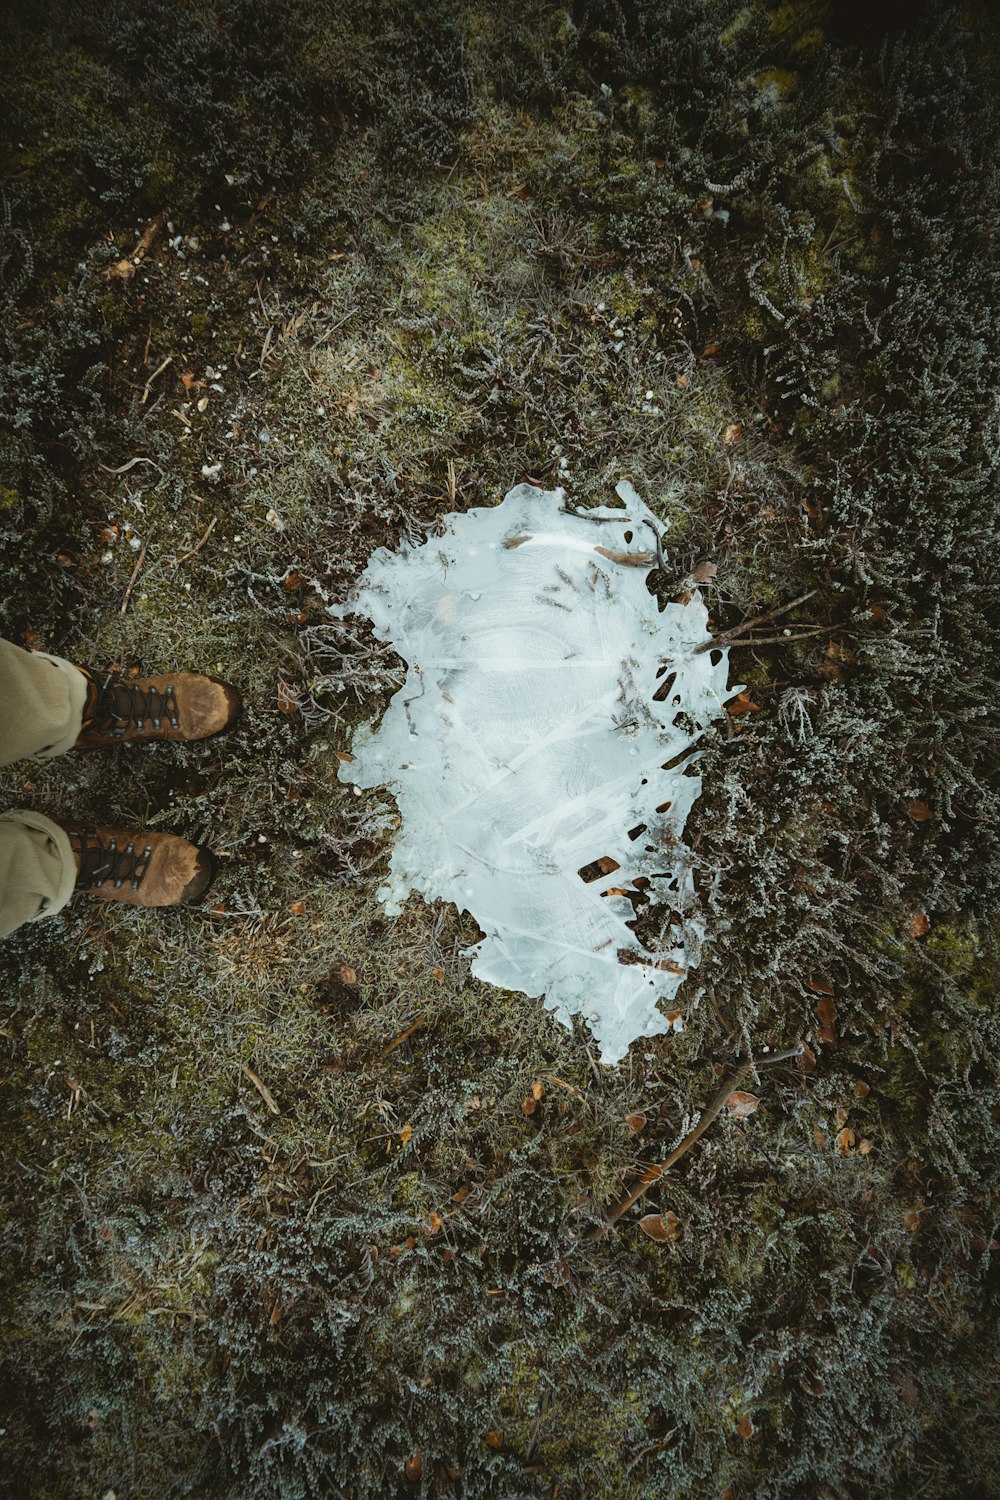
point(294, 1206)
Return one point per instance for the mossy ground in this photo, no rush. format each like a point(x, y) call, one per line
point(276, 1220)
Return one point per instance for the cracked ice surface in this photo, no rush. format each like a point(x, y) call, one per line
point(526, 744)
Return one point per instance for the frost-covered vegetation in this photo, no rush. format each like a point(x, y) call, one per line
point(294, 1206)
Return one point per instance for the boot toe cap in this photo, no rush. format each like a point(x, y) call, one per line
point(205, 866)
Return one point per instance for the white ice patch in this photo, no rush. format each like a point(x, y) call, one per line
point(546, 703)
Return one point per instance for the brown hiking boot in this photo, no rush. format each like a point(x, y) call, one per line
point(175, 706)
point(143, 869)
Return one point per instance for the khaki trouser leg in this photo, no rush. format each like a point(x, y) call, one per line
point(42, 699)
point(37, 869)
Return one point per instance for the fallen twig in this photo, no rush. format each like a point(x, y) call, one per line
point(135, 573)
point(784, 640)
point(149, 383)
point(764, 619)
point(198, 545)
point(655, 1174)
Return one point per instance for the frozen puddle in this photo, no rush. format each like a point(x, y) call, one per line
point(540, 749)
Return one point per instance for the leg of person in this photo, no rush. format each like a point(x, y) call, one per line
point(38, 869)
point(42, 699)
point(43, 862)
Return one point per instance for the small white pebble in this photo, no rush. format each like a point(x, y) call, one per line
point(262, 838)
point(649, 395)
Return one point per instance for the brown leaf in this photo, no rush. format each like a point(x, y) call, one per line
point(908, 1393)
point(865, 1146)
point(807, 1060)
point(434, 1224)
point(405, 1134)
point(538, 1089)
point(288, 702)
point(919, 924)
point(845, 1140)
point(494, 1439)
point(529, 1105)
point(635, 1122)
point(919, 811)
point(741, 1104)
point(742, 704)
point(347, 975)
point(704, 572)
point(293, 580)
point(682, 381)
point(911, 1219)
point(414, 1466)
point(744, 1427)
point(660, 1226)
point(862, 1089)
point(819, 985)
point(826, 1014)
point(297, 908)
point(733, 433)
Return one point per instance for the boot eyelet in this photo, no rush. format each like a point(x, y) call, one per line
point(118, 885)
point(174, 723)
point(156, 723)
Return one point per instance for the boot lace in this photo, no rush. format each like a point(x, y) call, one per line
point(119, 707)
point(102, 861)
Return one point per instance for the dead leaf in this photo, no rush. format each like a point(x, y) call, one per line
point(494, 1439)
point(414, 1466)
point(741, 1104)
point(529, 1105)
point(660, 1226)
point(288, 702)
point(682, 382)
point(845, 1140)
point(347, 975)
point(862, 1089)
point(635, 1122)
point(864, 1146)
point(826, 1014)
point(704, 572)
point(912, 1217)
point(434, 1224)
point(919, 925)
point(807, 1060)
point(919, 811)
point(297, 908)
point(744, 1427)
point(733, 433)
point(819, 985)
point(742, 704)
point(405, 1134)
point(293, 580)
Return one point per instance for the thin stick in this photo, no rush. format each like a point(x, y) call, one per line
point(768, 615)
point(198, 545)
point(158, 371)
point(401, 1039)
point(261, 1087)
point(135, 573)
point(623, 1204)
point(784, 640)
